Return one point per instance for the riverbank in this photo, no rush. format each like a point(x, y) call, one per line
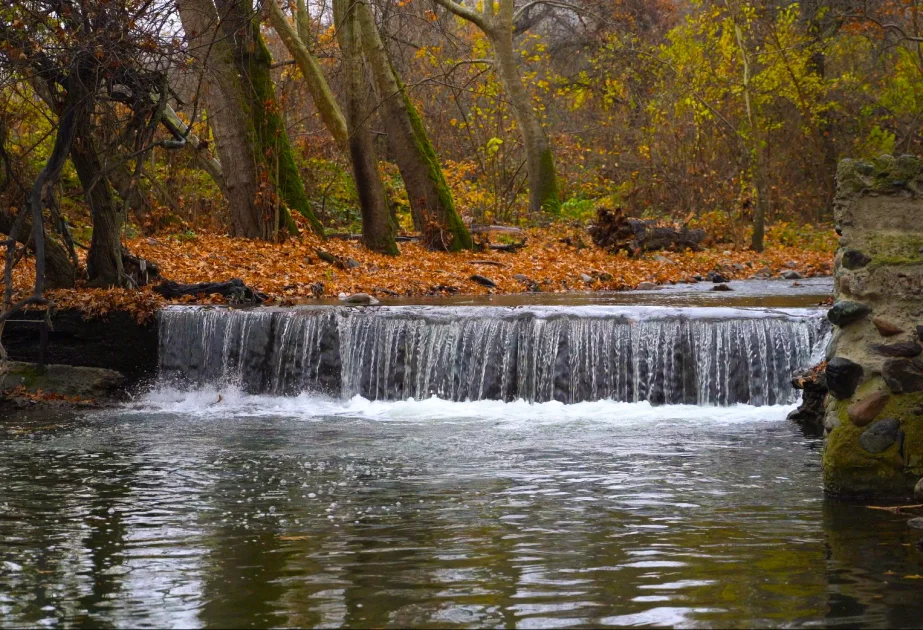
point(552, 260)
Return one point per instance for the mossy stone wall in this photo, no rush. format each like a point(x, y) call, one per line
point(874, 445)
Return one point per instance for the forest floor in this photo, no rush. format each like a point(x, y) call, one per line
point(555, 259)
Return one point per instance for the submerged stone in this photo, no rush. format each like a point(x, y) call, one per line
point(880, 436)
point(843, 377)
point(902, 376)
point(845, 313)
point(864, 411)
point(854, 259)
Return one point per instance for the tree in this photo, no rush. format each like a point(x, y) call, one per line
point(377, 226)
point(253, 144)
point(498, 24)
point(431, 202)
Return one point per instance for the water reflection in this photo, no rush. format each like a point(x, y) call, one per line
point(151, 518)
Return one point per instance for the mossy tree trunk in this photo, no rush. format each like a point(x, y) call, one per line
point(278, 173)
point(496, 20)
point(431, 203)
point(377, 227)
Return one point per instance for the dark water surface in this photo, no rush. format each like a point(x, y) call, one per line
point(193, 510)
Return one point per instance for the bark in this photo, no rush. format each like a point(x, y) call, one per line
point(324, 101)
point(377, 227)
point(271, 141)
point(60, 272)
point(207, 162)
point(431, 201)
point(498, 27)
point(227, 112)
point(104, 259)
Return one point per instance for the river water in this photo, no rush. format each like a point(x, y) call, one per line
point(211, 507)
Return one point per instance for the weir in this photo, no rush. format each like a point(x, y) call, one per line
point(698, 356)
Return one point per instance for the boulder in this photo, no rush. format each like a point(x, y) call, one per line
point(63, 380)
point(843, 377)
point(845, 313)
point(902, 376)
point(864, 411)
point(880, 436)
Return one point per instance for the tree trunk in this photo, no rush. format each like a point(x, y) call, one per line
point(60, 272)
point(762, 202)
point(104, 260)
point(377, 227)
point(543, 184)
point(241, 26)
point(431, 200)
point(324, 101)
point(227, 112)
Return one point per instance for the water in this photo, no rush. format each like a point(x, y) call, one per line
point(699, 356)
point(216, 508)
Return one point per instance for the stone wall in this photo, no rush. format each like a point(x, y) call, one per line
point(874, 411)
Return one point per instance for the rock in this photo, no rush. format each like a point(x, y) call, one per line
point(714, 276)
point(902, 376)
point(791, 264)
point(765, 272)
point(361, 298)
point(487, 282)
point(698, 278)
point(916, 523)
point(854, 259)
point(843, 377)
point(721, 287)
point(920, 333)
point(521, 277)
point(864, 411)
point(646, 286)
point(830, 423)
point(886, 328)
point(792, 275)
point(531, 285)
point(918, 491)
point(62, 380)
point(810, 413)
point(880, 436)
point(845, 313)
point(352, 263)
point(586, 278)
point(906, 349)
point(738, 267)
point(663, 259)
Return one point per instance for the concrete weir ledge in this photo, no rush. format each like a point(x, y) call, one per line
point(874, 411)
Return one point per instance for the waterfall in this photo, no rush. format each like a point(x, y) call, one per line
point(701, 356)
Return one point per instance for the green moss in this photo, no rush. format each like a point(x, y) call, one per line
point(550, 201)
point(271, 137)
point(29, 376)
point(852, 471)
point(884, 174)
point(450, 219)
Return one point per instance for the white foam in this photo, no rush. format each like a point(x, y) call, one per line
point(230, 402)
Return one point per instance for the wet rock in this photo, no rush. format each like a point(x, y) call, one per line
point(845, 313)
point(484, 281)
point(714, 276)
point(361, 298)
point(854, 259)
point(721, 287)
point(810, 413)
point(646, 286)
point(902, 376)
point(843, 377)
point(586, 278)
point(864, 411)
point(880, 436)
point(792, 275)
point(918, 491)
point(916, 523)
point(885, 327)
point(907, 349)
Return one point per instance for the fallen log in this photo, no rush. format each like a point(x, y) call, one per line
point(234, 291)
point(615, 232)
